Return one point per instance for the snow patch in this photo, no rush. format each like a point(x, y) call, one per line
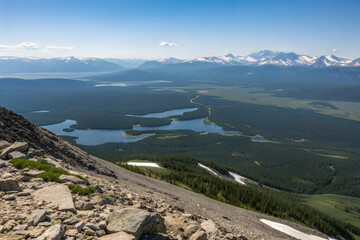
point(143, 164)
point(208, 169)
point(291, 231)
point(238, 178)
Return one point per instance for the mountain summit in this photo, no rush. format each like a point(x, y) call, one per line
point(267, 57)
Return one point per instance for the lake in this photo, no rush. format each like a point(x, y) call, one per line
point(100, 136)
point(257, 139)
point(91, 136)
point(170, 113)
point(196, 125)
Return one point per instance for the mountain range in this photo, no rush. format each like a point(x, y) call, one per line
point(80, 64)
point(60, 64)
point(265, 57)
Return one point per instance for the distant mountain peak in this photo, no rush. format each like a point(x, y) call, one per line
point(268, 57)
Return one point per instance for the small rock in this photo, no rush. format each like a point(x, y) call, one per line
point(71, 232)
point(209, 227)
point(33, 172)
point(102, 200)
point(118, 236)
point(16, 154)
point(191, 229)
point(35, 153)
point(44, 224)
point(71, 221)
point(98, 189)
point(92, 226)
point(102, 224)
point(72, 179)
point(199, 235)
point(36, 217)
point(2, 163)
point(88, 231)
point(6, 175)
point(9, 185)
point(9, 197)
point(100, 233)
point(20, 227)
point(56, 232)
point(4, 144)
point(82, 205)
point(79, 226)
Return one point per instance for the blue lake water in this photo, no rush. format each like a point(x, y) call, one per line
point(128, 84)
point(174, 112)
point(257, 139)
point(91, 136)
point(196, 125)
point(100, 136)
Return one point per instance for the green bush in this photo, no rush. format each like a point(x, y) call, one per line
point(75, 189)
point(51, 173)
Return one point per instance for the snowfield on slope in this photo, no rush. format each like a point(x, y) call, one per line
point(238, 178)
point(143, 164)
point(291, 231)
point(208, 169)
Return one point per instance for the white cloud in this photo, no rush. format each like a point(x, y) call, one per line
point(166, 44)
point(24, 45)
point(333, 50)
point(58, 48)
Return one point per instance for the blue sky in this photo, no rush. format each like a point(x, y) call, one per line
point(187, 29)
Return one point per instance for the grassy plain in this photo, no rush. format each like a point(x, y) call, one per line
point(256, 95)
point(341, 207)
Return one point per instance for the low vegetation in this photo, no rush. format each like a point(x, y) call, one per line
point(51, 174)
point(183, 171)
point(76, 189)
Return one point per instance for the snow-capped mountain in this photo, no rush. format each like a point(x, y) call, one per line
point(267, 57)
point(60, 64)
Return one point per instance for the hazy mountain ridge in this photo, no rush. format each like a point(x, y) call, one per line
point(264, 57)
point(60, 64)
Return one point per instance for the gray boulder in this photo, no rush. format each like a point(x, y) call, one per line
point(55, 232)
point(72, 179)
point(135, 221)
point(9, 185)
point(57, 194)
point(102, 200)
point(16, 154)
point(37, 216)
point(82, 205)
point(16, 146)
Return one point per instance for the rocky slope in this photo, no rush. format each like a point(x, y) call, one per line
point(60, 192)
